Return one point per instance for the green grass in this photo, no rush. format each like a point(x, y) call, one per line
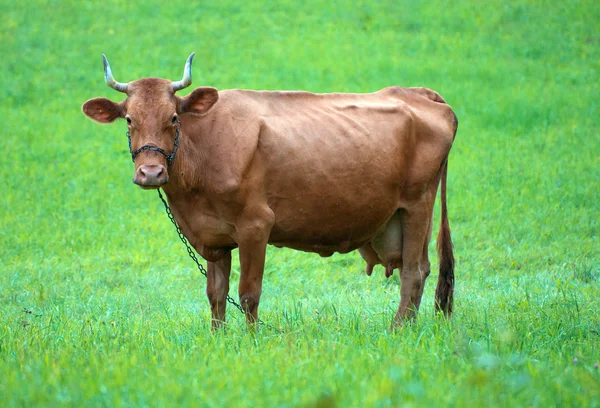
point(88, 317)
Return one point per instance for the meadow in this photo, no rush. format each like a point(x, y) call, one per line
point(88, 318)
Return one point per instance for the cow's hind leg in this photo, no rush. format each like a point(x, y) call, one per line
point(416, 222)
point(217, 288)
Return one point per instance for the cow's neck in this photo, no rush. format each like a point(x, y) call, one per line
point(214, 152)
point(189, 174)
point(183, 172)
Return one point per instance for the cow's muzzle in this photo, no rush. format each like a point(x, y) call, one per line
point(151, 176)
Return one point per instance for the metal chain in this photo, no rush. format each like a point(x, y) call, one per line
point(192, 255)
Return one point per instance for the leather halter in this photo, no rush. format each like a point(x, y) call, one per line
point(169, 157)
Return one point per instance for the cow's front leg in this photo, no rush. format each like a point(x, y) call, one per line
point(252, 234)
point(217, 288)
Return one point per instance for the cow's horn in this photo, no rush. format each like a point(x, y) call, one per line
point(110, 81)
point(187, 75)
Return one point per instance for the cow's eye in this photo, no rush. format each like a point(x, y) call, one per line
point(128, 119)
point(175, 119)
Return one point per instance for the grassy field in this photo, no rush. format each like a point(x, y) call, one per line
point(87, 318)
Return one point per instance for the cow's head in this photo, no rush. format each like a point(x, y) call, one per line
point(152, 111)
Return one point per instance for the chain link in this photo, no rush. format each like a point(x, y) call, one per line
point(192, 255)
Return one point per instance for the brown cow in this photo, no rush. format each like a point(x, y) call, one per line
point(314, 172)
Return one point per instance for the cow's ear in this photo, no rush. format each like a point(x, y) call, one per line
point(103, 110)
point(200, 100)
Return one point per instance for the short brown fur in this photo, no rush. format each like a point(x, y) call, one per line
point(320, 173)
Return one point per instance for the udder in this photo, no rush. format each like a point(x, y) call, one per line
point(385, 248)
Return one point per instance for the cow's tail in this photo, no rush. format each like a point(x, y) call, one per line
point(444, 293)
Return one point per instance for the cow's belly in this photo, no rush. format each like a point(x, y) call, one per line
point(332, 218)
